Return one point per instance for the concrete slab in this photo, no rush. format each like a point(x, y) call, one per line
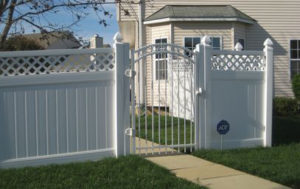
point(179, 162)
point(212, 175)
point(244, 181)
point(153, 148)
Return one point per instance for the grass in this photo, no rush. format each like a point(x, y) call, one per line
point(125, 172)
point(165, 135)
point(280, 163)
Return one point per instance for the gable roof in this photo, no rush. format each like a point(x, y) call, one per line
point(198, 13)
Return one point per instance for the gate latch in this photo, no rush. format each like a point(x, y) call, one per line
point(130, 132)
point(199, 91)
point(129, 73)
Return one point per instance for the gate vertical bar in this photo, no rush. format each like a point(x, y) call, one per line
point(122, 61)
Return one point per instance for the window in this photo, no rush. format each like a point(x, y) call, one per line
point(216, 43)
point(191, 42)
point(295, 57)
point(242, 42)
point(161, 62)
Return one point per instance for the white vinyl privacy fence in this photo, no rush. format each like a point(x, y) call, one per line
point(60, 106)
point(232, 86)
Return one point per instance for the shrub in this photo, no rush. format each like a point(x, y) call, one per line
point(285, 106)
point(296, 86)
point(20, 43)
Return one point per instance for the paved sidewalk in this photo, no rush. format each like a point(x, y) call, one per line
point(212, 175)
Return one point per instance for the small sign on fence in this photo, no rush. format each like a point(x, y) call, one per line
point(223, 128)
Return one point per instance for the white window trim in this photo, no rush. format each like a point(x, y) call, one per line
point(154, 62)
point(201, 36)
point(290, 59)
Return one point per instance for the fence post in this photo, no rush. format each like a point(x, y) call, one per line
point(121, 96)
point(198, 87)
point(268, 92)
point(206, 126)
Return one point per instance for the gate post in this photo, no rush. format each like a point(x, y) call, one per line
point(206, 121)
point(121, 106)
point(268, 92)
point(198, 72)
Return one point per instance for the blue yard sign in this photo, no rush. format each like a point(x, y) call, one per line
point(223, 127)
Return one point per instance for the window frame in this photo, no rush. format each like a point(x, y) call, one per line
point(184, 38)
point(221, 42)
point(158, 59)
point(201, 36)
point(290, 58)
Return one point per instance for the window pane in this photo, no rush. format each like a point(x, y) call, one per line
point(196, 41)
point(295, 68)
point(164, 40)
point(159, 48)
point(188, 42)
point(293, 44)
point(216, 43)
point(294, 54)
point(161, 69)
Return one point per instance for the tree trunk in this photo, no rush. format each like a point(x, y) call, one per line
point(8, 23)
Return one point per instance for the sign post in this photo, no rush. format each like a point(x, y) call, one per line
point(223, 128)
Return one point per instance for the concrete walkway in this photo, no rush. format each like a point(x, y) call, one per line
point(212, 175)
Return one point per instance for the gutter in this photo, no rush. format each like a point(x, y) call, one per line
point(164, 20)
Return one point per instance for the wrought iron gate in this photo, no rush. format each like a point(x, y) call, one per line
point(162, 99)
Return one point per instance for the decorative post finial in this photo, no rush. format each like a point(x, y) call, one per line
point(268, 43)
point(238, 46)
point(206, 41)
point(118, 38)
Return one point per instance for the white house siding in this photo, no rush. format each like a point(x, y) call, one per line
point(239, 31)
point(156, 32)
point(278, 19)
point(193, 29)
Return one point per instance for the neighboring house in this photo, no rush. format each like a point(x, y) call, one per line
point(55, 40)
point(227, 22)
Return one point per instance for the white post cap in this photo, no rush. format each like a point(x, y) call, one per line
point(205, 40)
point(118, 38)
point(268, 43)
point(238, 46)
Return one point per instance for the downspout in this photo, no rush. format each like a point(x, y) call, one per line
point(142, 70)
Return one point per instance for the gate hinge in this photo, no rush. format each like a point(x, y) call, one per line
point(130, 132)
point(129, 73)
point(199, 91)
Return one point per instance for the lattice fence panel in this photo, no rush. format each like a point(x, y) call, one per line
point(229, 62)
point(36, 65)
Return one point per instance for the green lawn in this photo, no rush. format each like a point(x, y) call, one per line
point(124, 172)
point(280, 163)
point(165, 138)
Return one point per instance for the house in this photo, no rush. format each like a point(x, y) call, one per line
point(55, 40)
point(248, 22)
